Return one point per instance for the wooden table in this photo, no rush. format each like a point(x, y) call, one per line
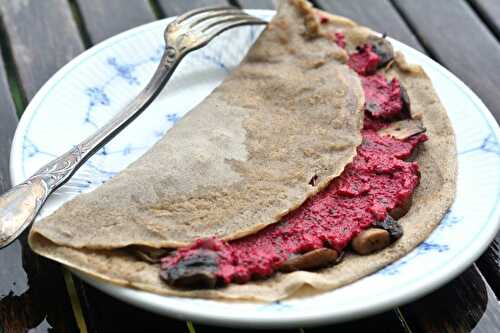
point(37, 37)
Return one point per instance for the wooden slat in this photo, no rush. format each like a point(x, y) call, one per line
point(387, 322)
point(100, 310)
point(458, 39)
point(467, 304)
point(43, 37)
point(16, 314)
point(201, 328)
point(8, 123)
point(257, 4)
point(490, 11)
point(37, 298)
point(112, 315)
point(379, 15)
point(489, 264)
point(173, 8)
point(30, 295)
point(103, 19)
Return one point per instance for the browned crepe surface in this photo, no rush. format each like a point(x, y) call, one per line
point(432, 198)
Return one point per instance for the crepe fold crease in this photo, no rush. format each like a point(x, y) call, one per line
point(244, 158)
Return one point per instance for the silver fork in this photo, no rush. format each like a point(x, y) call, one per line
point(191, 31)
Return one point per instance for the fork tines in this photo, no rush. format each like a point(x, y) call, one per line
point(214, 20)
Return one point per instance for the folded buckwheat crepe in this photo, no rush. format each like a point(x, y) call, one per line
point(291, 123)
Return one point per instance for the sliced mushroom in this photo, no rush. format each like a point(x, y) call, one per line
point(406, 111)
point(391, 226)
point(150, 254)
point(383, 48)
point(371, 240)
point(401, 210)
point(403, 129)
point(196, 271)
point(311, 260)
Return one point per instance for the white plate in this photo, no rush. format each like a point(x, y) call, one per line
point(95, 85)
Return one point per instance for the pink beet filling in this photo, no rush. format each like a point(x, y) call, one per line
point(382, 98)
point(340, 39)
point(365, 61)
point(377, 181)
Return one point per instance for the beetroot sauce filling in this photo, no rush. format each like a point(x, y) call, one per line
point(375, 182)
point(382, 98)
point(365, 61)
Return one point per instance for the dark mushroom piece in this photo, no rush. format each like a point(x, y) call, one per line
point(311, 260)
point(378, 237)
point(382, 48)
point(403, 129)
point(196, 271)
point(391, 226)
point(406, 111)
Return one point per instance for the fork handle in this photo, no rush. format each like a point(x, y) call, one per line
point(20, 205)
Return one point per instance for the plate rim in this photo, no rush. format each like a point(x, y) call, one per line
point(308, 319)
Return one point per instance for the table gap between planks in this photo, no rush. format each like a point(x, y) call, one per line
point(38, 37)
